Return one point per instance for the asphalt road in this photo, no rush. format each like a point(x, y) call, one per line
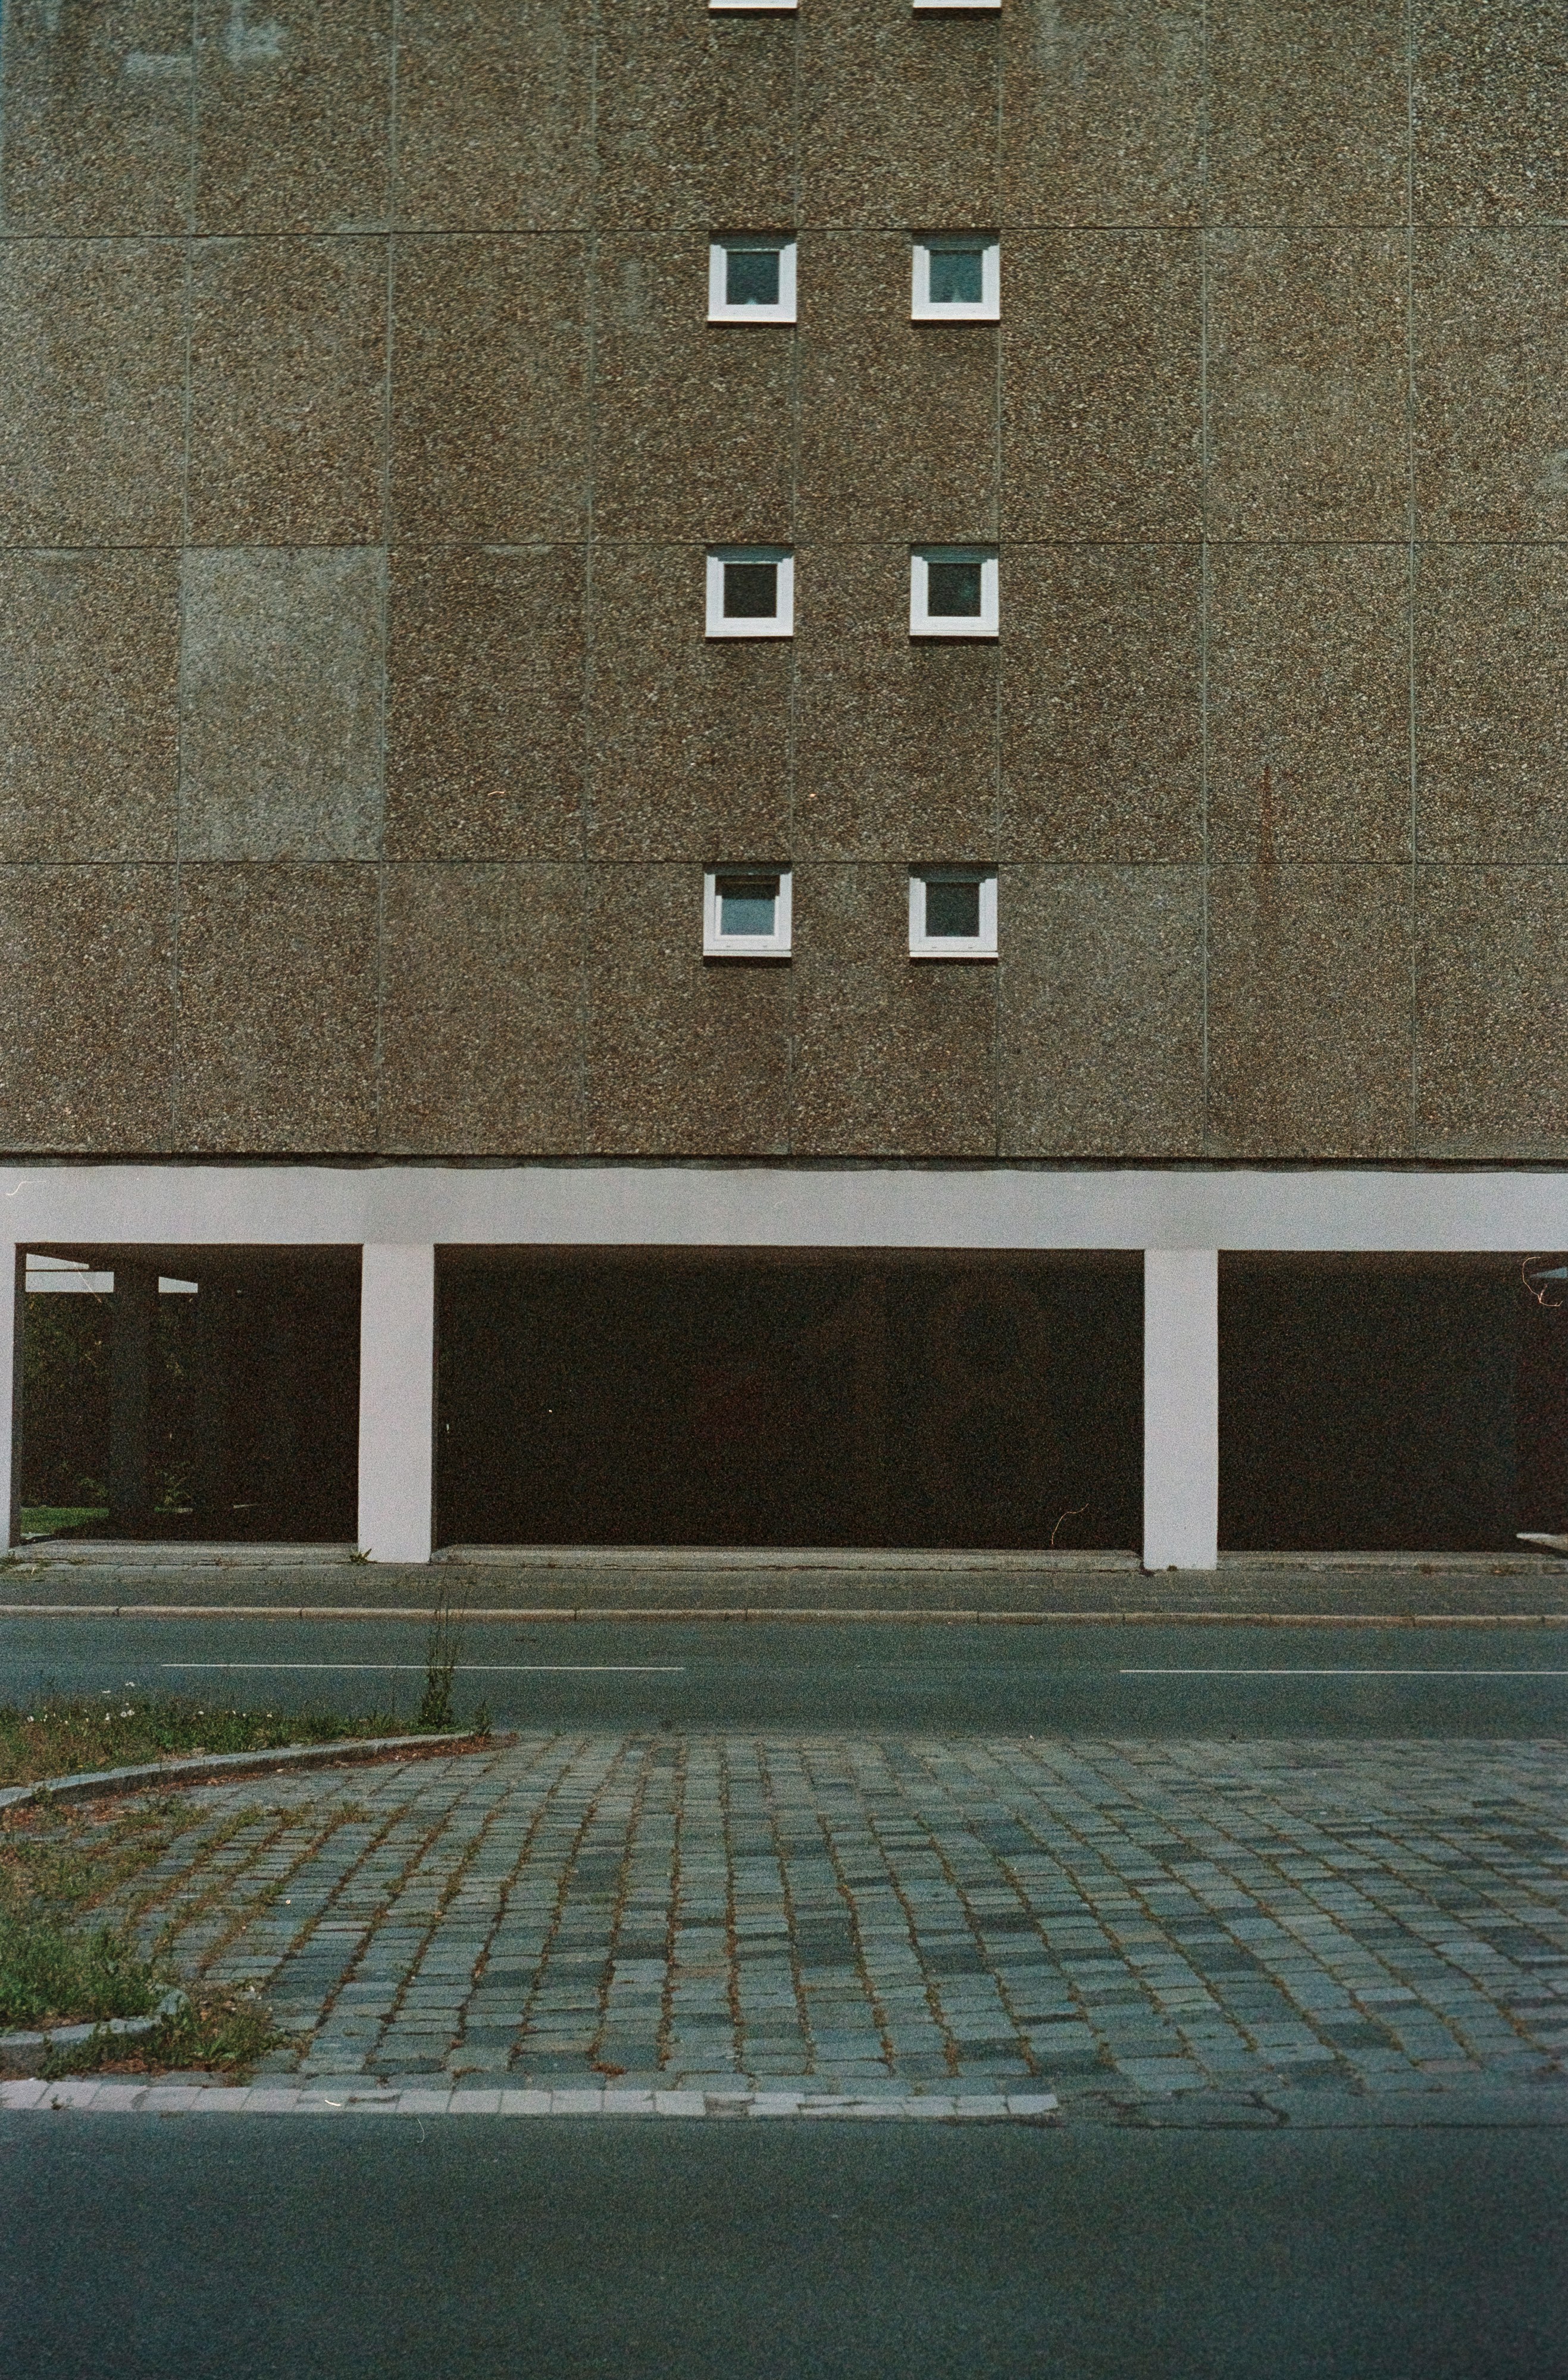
point(1144, 1681)
point(242, 2248)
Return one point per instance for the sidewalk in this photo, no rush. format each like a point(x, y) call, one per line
point(1330, 1932)
point(593, 1584)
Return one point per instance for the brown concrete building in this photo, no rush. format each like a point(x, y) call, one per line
point(1154, 410)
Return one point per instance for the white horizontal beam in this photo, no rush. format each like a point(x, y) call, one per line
point(712, 1205)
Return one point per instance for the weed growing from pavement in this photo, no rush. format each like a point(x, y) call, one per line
point(223, 2031)
point(443, 1644)
point(50, 1973)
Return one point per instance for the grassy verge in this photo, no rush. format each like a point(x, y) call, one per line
point(59, 1735)
point(222, 2032)
point(57, 1866)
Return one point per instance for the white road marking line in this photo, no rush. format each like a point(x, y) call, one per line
point(1344, 1673)
point(465, 1669)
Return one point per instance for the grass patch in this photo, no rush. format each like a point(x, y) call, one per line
point(50, 1974)
point(64, 1735)
point(222, 2031)
point(49, 1520)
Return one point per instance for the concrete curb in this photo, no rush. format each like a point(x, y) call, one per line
point(291, 2099)
point(200, 1766)
point(535, 1615)
point(53, 2037)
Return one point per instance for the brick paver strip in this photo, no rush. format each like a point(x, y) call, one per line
point(762, 1923)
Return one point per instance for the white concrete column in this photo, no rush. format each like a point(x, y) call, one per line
point(397, 1403)
point(1181, 1408)
point(10, 1366)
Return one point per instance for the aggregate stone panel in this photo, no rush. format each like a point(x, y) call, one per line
point(494, 116)
point(1308, 702)
point(1101, 112)
point(694, 118)
point(693, 420)
point(97, 118)
point(1491, 435)
point(86, 1007)
point(893, 1056)
point(894, 737)
point(898, 118)
point(689, 737)
point(92, 401)
point(1307, 384)
point(489, 388)
point(1101, 1001)
point(1486, 113)
point(684, 1056)
point(281, 667)
point(1491, 963)
point(287, 391)
point(481, 1018)
point(89, 705)
point(1102, 728)
point(1309, 1013)
point(898, 418)
point(1492, 683)
point(277, 999)
point(485, 694)
point(1309, 113)
point(1102, 373)
point(293, 114)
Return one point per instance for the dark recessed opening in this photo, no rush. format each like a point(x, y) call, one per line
point(1380, 1403)
point(226, 1414)
point(893, 1399)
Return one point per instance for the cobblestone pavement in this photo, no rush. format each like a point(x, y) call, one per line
point(903, 1915)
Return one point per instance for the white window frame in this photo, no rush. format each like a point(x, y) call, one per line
point(922, 308)
point(951, 946)
point(937, 7)
point(782, 623)
point(787, 8)
point(719, 247)
point(775, 945)
point(923, 623)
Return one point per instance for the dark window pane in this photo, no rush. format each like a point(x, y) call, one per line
point(954, 909)
point(752, 590)
point(955, 276)
point(748, 905)
point(751, 276)
point(953, 590)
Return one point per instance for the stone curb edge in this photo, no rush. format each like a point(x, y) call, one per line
point(52, 2036)
point(200, 1766)
point(532, 1615)
point(81, 2093)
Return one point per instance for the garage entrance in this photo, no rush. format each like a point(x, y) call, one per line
point(708, 1399)
point(1376, 1404)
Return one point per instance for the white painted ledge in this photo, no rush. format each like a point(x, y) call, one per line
point(780, 1205)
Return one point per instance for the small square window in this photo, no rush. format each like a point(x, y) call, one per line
point(953, 913)
point(751, 277)
point(746, 913)
point(954, 590)
point(751, 590)
point(957, 278)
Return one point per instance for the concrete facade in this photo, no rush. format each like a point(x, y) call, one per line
point(360, 745)
point(363, 436)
